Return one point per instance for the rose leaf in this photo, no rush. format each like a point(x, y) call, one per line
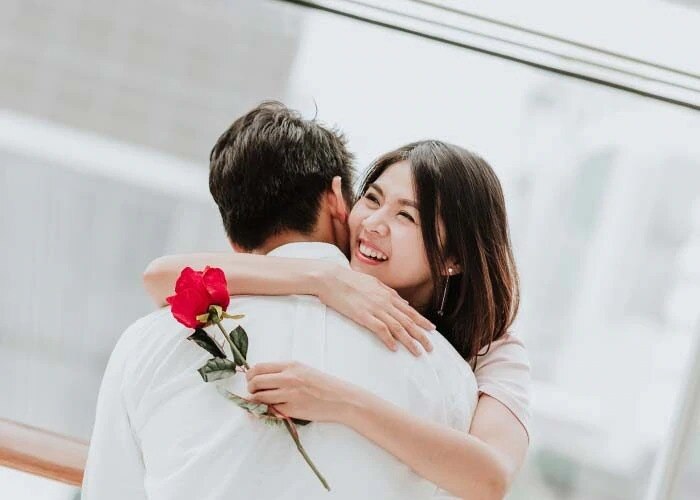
point(216, 369)
point(257, 409)
point(240, 339)
point(204, 341)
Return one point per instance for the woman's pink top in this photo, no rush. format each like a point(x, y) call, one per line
point(504, 374)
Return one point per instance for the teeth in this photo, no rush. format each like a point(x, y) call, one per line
point(370, 252)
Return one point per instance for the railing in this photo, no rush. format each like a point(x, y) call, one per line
point(42, 453)
point(449, 22)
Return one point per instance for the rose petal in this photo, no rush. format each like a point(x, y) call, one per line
point(215, 282)
point(188, 304)
point(189, 278)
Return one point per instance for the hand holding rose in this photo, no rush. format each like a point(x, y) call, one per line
point(300, 391)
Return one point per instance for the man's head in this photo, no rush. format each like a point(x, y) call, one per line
point(277, 178)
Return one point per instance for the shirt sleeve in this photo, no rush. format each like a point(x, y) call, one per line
point(504, 374)
point(114, 468)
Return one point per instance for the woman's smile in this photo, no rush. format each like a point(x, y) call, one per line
point(369, 253)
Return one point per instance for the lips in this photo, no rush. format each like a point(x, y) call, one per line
point(369, 253)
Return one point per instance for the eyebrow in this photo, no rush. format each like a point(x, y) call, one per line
point(402, 201)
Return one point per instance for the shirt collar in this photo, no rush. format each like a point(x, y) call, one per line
point(311, 250)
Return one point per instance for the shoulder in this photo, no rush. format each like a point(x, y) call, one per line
point(145, 345)
point(345, 336)
point(445, 353)
point(503, 372)
point(136, 333)
point(456, 379)
point(264, 307)
point(128, 350)
point(509, 350)
point(152, 359)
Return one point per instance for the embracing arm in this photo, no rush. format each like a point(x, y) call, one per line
point(480, 465)
point(246, 273)
point(362, 298)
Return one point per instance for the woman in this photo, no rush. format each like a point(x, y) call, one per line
point(428, 243)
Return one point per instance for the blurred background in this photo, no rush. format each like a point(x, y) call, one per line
point(588, 113)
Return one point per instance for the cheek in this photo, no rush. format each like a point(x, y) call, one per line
point(408, 253)
point(354, 220)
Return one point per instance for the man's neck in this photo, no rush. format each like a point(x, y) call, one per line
point(289, 237)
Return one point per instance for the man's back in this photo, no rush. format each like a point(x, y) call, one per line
point(196, 444)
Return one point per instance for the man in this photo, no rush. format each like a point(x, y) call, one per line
point(282, 185)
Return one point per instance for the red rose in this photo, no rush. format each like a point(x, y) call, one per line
point(195, 291)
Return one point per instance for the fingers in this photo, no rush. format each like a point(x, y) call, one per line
point(261, 368)
point(414, 330)
point(414, 315)
point(400, 333)
point(272, 397)
point(380, 329)
point(264, 382)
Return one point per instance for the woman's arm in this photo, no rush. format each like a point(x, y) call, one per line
point(246, 273)
point(362, 298)
point(480, 465)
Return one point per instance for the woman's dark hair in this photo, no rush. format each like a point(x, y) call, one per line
point(460, 189)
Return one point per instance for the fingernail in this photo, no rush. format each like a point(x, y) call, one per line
point(394, 347)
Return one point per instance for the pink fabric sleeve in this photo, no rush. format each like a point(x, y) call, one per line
point(504, 374)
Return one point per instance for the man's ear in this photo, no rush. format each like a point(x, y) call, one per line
point(338, 206)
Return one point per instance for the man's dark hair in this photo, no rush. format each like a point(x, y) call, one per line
point(269, 170)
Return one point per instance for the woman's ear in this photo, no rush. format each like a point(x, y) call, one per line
point(339, 209)
point(452, 268)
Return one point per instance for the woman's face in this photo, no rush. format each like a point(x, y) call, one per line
point(385, 235)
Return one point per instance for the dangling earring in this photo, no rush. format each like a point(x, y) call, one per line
point(441, 311)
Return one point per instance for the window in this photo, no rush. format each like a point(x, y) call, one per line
point(601, 187)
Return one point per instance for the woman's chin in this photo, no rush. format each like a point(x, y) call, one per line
point(358, 264)
point(381, 272)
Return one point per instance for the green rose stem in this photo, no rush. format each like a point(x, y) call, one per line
point(233, 346)
point(291, 428)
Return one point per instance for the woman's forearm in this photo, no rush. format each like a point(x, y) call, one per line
point(455, 461)
point(245, 273)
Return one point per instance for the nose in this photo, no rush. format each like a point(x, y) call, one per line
point(375, 223)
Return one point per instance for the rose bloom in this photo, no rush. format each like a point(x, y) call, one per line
point(195, 291)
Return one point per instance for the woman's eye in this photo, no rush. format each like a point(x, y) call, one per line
point(408, 216)
point(372, 198)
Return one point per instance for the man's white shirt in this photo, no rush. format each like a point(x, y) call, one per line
point(162, 433)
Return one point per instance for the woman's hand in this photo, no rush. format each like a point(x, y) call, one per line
point(370, 303)
point(299, 391)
